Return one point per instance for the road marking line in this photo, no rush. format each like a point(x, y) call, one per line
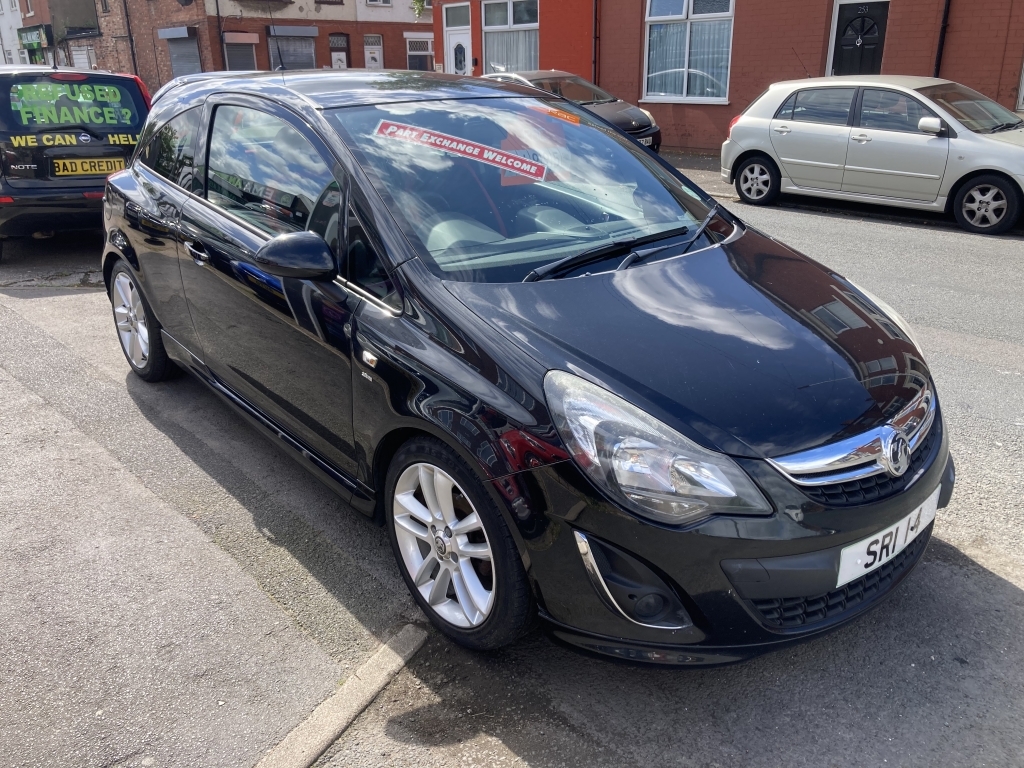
point(312, 737)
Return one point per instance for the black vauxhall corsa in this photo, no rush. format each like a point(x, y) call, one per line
point(566, 381)
point(62, 132)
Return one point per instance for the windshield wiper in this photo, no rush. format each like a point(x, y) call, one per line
point(636, 256)
point(598, 253)
point(1005, 126)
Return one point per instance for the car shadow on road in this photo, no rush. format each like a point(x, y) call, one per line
point(903, 216)
point(326, 564)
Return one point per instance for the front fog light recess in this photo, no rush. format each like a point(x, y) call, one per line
point(644, 464)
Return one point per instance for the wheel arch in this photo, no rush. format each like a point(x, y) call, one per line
point(959, 184)
point(389, 446)
point(746, 155)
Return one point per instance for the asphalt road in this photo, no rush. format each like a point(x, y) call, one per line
point(158, 558)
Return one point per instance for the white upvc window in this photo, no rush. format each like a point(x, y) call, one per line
point(378, 2)
point(688, 51)
point(511, 36)
point(420, 54)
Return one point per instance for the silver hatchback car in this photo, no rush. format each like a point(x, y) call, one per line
point(913, 142)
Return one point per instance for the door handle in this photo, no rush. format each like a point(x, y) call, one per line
point(199, 256)
point(863, 138)
point(783, 129)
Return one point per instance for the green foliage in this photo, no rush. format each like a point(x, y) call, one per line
point(418, 6)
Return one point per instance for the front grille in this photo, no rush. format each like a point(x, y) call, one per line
point(880, 486)
point(792, 612)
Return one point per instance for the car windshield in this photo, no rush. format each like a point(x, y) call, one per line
point(977, 113)
point(574, 89)
point(489, 189)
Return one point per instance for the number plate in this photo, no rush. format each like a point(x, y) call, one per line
point(647, 141)
point(88, 166)
point(868, 554)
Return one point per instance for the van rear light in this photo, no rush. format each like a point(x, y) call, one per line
point(6, 199)
point(144, 90)
point(733, 122)
point(69, 76)
point(92, 195)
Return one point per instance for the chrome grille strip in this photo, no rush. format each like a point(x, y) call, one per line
point(859, 456)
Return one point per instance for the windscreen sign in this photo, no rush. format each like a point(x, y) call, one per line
point(48, 105)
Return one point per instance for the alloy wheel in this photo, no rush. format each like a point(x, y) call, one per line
point(755, 181)
point(444, 546)
point(984, 206)
point(130, 316)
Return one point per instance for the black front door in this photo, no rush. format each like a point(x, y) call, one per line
point(860, 38)
point(282, 344)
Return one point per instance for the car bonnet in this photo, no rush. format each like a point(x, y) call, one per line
point(747, 347)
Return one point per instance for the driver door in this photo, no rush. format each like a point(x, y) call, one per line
point(281, 344)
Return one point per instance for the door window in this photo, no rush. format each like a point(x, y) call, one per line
point(170, 152)
point(263, 170)
point(829, 106)
point(891, 111)
point(363, 266)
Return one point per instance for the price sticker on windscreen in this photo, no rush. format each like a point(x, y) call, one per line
point(453, 145)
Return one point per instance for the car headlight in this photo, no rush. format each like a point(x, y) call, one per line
point(889, 312)
point(649, 116)
point(643, 464)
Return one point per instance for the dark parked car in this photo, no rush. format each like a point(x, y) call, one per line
point(62, 132)
point(568, 382)
point(637, 122)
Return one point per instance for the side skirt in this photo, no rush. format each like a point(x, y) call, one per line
point(350, 490)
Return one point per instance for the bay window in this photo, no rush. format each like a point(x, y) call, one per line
point(688, 50)
point(511, 36)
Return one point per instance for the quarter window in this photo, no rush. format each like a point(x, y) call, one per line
point(829, 106)
point(363, 266)
point(689, 49)
point(511, 36)
point(891, 111)
point(170, 152)
point(263, 170)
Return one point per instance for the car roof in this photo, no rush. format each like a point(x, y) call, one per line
point(327, 89)
point(46, 69)
point(909, 82)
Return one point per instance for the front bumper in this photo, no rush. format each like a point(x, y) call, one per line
point(50, 209)
point(653, 134)
point(734, 610)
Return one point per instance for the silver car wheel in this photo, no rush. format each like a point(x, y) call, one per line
point(755, 181)
point(984, 206)
point(444, 547)
point(130, 317)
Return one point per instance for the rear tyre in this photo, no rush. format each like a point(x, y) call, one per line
point(987, 205)
point(137, 328)
point(758, 181)
point(454, 550)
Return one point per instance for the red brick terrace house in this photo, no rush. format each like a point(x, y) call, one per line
point(162, 39)
point(697, 63)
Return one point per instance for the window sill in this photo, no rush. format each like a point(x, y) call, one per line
point(681, 100)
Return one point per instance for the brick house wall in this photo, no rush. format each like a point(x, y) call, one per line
point(392, 32)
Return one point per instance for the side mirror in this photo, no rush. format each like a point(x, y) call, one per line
point(302, 255)
point(930, 125)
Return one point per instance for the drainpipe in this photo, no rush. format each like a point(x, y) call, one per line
point(942, 39)
point(131, 39)
point(220, 36)
point(593, 77)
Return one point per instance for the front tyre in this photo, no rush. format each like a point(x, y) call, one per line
point(987, 205)
point(137, 328)
point(454, 550)
point(758, 180)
